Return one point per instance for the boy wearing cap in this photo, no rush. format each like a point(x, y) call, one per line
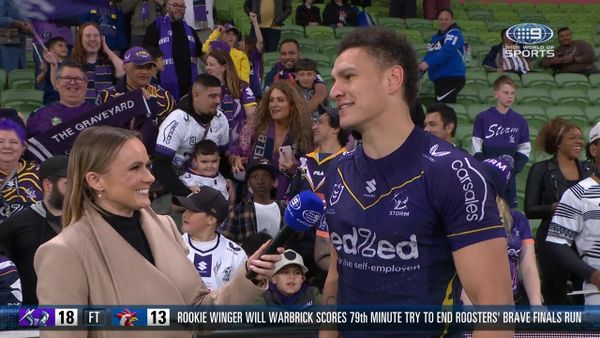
point(577, 220)
point(138, 65)
point(231, 35)
point(215, 257)
point(260, 212)
point(24, 232)
point(288, 285)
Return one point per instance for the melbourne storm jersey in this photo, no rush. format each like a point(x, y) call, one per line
point(397, 220)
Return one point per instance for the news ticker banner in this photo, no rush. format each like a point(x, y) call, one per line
point(396, 318)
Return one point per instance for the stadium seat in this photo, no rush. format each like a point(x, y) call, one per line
point(308, 45)
point(479, 52)
point(328, 46)
point(594, 96)
point(497, 26)
point(511, 17)
point(570, 97)
point(325, 73)
point(474, 109)
point(223, 11)
point(322, 60)
point(473, 26)
point(569, 113)
point(21, 79)
point(529, 16)
point(535, 115)
point(420, 49)
point(472, 37)
point(461, 113)
point(476, 79)
point(414, 36)
point(340, 32)
point(319, 32)
point(523, 6)
point(479, 14)
point(3, 77)
point(539, 80)
point(572, 81)
point(269, 60)
point(292, 32)
point(486, 95)
point(395, 23)
point(464, 132)
point(468, 96)
point(489, 38)
point(534, 96)
point(592, 113)
point(418, 24)
point(23, 100)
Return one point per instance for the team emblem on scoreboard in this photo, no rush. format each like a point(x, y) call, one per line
point(35, 317)
point(127, 317)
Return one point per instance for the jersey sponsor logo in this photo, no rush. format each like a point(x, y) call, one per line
point(470, 178)
point(203, 265)
point(234, 247)
point(433, 151)
point(497, 130)
point(363, 242)
point(318, 173)
point(370, 186)
point(169, 131)
point(338, 188)
point(400, 206)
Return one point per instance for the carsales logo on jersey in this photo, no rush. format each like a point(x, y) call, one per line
point(470, 179)
point(529, 38)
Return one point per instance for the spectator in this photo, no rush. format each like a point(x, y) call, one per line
point(203, 171)
point(403, 8)
point(288, 286)
point(55, 55)
point(501, 59)
point(71, 83)
point(20, 185)
point(253, 46)
point(259, 213)
point(237, 102)
point(338, 13)
point(444, 59)
point(441, 121)
point(285, 70)
point(138, 65)
point(575, 223)
point(23, 233)
point(181, 48)
point(282, 133)
point(306, 77)
point(502, 131)
point(546, 182)
point(431, 8)
point(10, 284)
point(306, 14)
point(194, 119)
point(571, 56)
point(270, 17)
point(12, 55)
point(142, 13)
point(215, 257)
point(101, 64)
point(111, 22)
point(230, 35)
point(157, 56)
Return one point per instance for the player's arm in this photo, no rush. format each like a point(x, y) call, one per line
point(484, 273)
point(319, 96)
point(530, 273)
point(330, 289)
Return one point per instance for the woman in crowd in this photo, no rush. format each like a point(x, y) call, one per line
point(282, 133)
point(114, 249)
point(19, 181)
point(102, 65)
point(237, 101)
point(546, 183)
point(339, 13)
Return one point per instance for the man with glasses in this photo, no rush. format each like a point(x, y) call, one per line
point(139, 65)
point(181, 48)
point(71, 84)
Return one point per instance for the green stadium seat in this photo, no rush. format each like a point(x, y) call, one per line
point(479, 52)
point(592, 113)
point(319, 32)
point(270, 59)
point(326, 75)
point(328, 46)
point(572, 81)
point(476, 79)
point(502, 7)
point(308, 45)
point(570, 97)
point(489, 38)
point(571, 8)
point(492, 76)
point(292, 32)
point(21, 79)
point(468, 95)
point(340, 32)
point(395, 23)
point(464, 132)
point(418, 24)
point(539, 80)
point(534, 96)
point(474, 109)
point(461, 113)
point(420, 49)
point(473, 25)
point(569, 113)
point(486, 95)
point(472, 37)
point(497, 26)
point(506, 17)
point(523, 6)
point(322, 60)
point(479, 14)
point(413, 36)
point(529, 16)
point(23, 100)
point(547, 7)
point(594, 96)
point(3, 78)
point(535, 115)
point(223, 11)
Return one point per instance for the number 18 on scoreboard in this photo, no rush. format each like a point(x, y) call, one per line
point(40, 317)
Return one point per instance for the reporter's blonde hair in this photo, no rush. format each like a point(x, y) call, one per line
point(505, 215)
point(94, 150)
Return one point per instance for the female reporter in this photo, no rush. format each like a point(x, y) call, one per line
point(114, 249)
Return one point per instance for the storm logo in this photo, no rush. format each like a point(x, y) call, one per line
point(338, 188)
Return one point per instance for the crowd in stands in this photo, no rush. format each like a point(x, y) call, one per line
point(233, 138)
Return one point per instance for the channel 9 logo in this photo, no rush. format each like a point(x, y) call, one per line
point(529, 38)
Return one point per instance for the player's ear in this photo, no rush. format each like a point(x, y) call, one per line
point(395, 79)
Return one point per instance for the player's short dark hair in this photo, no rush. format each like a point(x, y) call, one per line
point(446, 112)
point(306, 64)
point(289, 40)
point(206, 147)
point(389, 48)
point(563, 29)
point(53, 41)
point(155, 53)
point(207, 81)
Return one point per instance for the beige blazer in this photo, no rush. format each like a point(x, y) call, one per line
point(90, 263)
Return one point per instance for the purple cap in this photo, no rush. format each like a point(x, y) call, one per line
point(220, 45)
point(498, 171)
point(138, 56)
point(227, 27)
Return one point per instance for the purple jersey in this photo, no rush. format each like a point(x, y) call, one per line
point(501, 133)
point(234, 109)
point(519, 234)
point(256, 71)
point(398, 219)
point(23, 189)
point(52, 115)
point(10, 284)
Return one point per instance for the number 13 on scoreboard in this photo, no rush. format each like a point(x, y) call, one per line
point(159, 317)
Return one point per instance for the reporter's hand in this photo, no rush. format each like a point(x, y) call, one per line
point(264, 265)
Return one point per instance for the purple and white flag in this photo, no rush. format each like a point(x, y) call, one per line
point(57, 9)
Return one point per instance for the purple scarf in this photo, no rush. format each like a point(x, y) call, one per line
point(168, 78)
point(200, 10)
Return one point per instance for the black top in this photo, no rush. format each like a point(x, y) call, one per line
point(22, 234)
point(130, 229)
point(305, 15)
point(181, 51)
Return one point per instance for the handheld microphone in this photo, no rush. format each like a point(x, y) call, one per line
point(304, 211)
